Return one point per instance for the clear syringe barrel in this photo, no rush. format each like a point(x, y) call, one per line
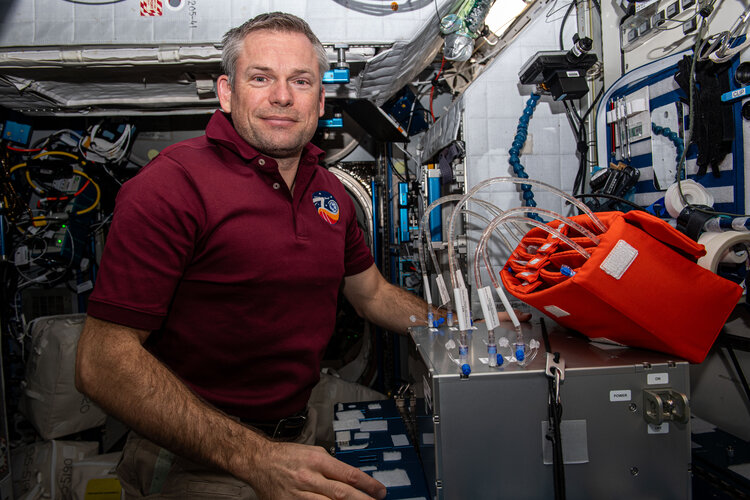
point(495, 180)
point(491, 348)
point(463, 348)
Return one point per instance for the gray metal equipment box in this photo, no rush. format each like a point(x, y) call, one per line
point(483, 437)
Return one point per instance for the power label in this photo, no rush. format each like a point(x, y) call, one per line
point(621, 395)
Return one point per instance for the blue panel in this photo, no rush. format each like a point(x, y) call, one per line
point(393, 431)
point(403, 194)
point(335, 122)
point(338, 75)
point(17, 132)
point(436, 217)
point(668, 98)
point(403, 224)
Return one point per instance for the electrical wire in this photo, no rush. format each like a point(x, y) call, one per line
point(555, 9)
point(103, 150)
point(23, 150)
point(583, 145)
point(75, 171)
point(576, 121)
point(38, 279)
point(611, 197)
point(562, 26)
point(432, 89)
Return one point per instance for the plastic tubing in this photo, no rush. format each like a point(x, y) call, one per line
point(495, 180)
point(426, 217)
point(428, 294)
point(486, 234)
point(501, 219)
point(423, 240)
point(452, 197)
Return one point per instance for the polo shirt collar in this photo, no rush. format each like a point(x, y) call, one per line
point(221, 130)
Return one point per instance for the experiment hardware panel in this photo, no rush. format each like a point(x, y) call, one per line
point(484, 436)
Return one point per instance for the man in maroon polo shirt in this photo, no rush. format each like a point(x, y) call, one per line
point(217, 291)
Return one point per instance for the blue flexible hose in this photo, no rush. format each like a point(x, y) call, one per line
point(521, 133)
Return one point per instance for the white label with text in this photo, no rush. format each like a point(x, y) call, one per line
point(621, 395)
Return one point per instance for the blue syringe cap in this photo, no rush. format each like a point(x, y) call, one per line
point(466, 369)
point(566, 271)
point(520, 354)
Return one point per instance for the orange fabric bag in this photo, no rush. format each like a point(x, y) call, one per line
point(640, 287)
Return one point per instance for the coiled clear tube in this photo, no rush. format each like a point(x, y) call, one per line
point(496, 180)
point(482, 245)
point(501, 219)
point(423, 242)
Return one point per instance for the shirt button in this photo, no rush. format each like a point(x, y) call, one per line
point(276, 185)
point(262, 162)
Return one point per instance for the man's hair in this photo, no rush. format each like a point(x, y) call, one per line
point(272, 21)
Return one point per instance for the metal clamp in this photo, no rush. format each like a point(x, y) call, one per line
point(555, 369)
point(665, 405)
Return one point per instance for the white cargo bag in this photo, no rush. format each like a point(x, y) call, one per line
point(50, 400)
point(94, 478)
point(45, 469)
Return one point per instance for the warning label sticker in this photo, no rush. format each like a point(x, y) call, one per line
point(151, 7)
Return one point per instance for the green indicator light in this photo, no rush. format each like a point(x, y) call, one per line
point(64, 226)
point(59, 241)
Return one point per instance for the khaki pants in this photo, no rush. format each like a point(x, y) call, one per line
point(149, 471)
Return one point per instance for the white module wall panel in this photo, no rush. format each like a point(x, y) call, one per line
point(111, 40)
point(58, 22)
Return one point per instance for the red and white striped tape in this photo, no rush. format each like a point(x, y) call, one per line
point(151, 7)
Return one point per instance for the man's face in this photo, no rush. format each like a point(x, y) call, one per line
point(277, 96)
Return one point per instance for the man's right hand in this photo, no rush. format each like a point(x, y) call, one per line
point(296, 471)
point(129, 383)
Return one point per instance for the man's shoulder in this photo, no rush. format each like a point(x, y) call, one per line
point(184, 159)
point(189, 148)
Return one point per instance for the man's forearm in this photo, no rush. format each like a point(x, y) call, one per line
point(399, 310)
point(114, 370)
point(392, 307)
